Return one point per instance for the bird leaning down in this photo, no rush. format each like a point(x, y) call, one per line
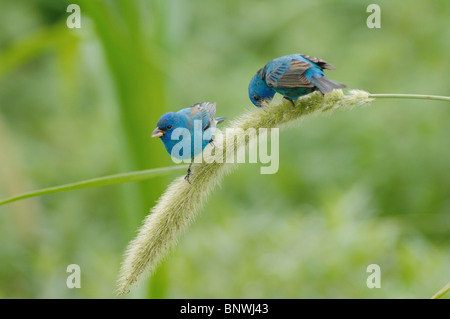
point(291, 76)
point(185, 119)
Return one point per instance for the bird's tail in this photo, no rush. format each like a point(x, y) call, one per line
point(220, 119)
point(326, 85)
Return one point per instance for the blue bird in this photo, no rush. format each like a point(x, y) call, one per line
point(202, 130)
point(291, 76)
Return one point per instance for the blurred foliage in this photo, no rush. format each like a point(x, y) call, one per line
point(355, 188)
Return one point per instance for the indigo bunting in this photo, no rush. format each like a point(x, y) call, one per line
point(292, 76)
point(195, 131)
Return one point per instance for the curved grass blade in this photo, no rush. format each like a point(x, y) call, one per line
point(412, 96)
point(97, 182)
point(441, 292)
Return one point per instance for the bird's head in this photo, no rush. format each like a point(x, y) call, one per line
point(258, 91)
point(165, 126)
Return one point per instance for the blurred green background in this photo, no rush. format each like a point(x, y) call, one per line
point(361, 187)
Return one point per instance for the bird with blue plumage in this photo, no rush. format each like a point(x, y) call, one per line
point(195, 123)
point(292, 76)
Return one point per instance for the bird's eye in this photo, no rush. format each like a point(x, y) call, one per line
point(168, 127)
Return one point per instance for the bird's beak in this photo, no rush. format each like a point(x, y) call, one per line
point(157, 132)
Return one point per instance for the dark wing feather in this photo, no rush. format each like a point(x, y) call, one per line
point(205, 112)
point(291, 76)
point(323, 64)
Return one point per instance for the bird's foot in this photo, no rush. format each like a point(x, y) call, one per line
point(265, 107)
point(212, 143)
point(290, 100)
point(189, 172)
point(187, 176)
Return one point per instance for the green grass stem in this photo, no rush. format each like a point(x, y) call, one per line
point(97, 182)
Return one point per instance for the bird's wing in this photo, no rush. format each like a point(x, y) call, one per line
point(289, 75)
point(205, 112)
point(323, 64)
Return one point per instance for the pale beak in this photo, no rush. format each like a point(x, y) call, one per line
point(157, 132)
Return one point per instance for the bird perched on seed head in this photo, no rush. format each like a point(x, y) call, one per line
point(292, 76)
point(185, 119)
